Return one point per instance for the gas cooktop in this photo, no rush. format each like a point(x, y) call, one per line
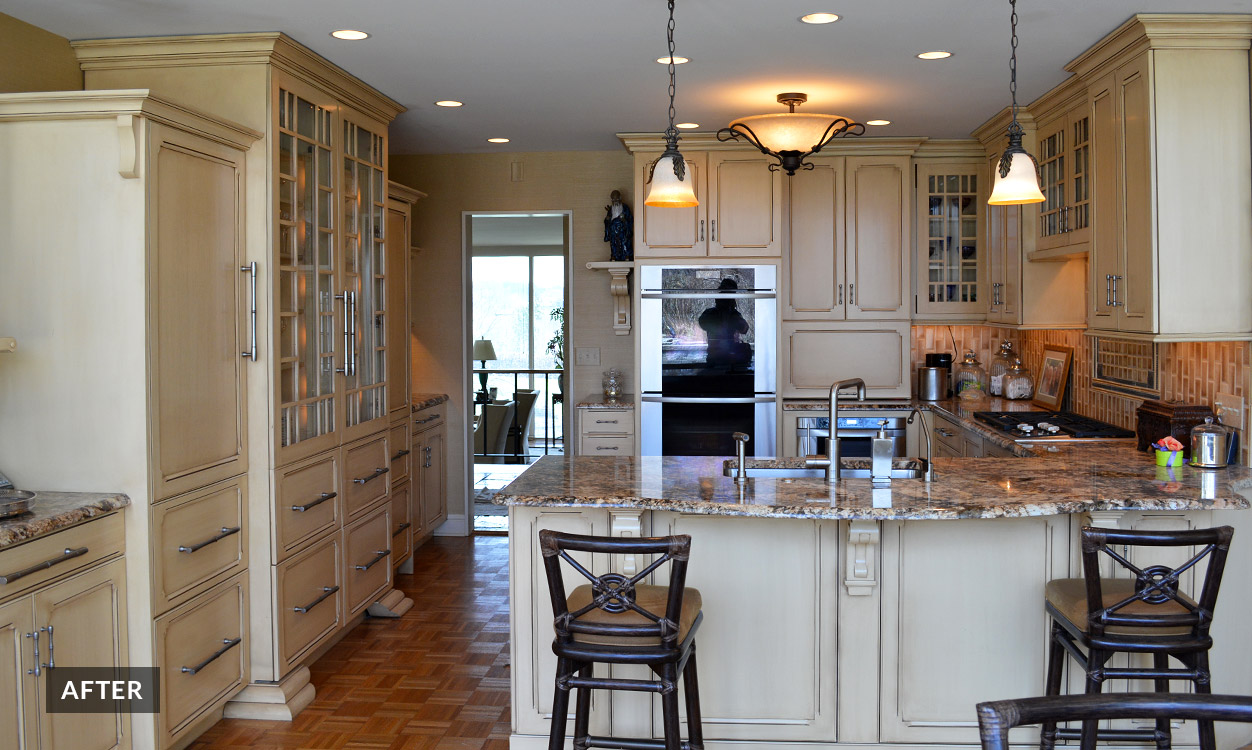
point(1050, 425)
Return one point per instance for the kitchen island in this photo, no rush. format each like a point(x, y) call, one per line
point(831, 621)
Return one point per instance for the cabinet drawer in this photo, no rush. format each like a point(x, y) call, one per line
point(307, 506)
point(399, 443)
point(73, 549)
point(196, 540)
point(367, 564)
point(601, 445)
point(401, 524)
point(608, 422)
point(949, 434)
point(366, 466)
point(309, 600)
point(429, 417)
point(202, 649)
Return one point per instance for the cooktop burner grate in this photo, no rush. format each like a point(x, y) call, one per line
point(1048, 424)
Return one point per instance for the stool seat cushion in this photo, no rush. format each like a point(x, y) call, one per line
point(650, 598)
point(1069, 597)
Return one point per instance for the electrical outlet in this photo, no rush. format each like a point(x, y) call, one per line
point(1230, 408)
point(587, 355)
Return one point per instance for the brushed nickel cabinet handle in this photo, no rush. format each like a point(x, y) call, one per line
point(250, 269)
point(713, 230)
point(1108, 290)
point(68, 554)
point(840, 302)
point(1116, 292)
point(400, 454)
point(327, 591)
point(427, 419)
point(347, 333)
point(230, 643)
point(36, 670)
point(944, 432)
point(226, 531)
point(851, 294)
point(702, 230)
point(606, 421)
point(400, 528)
point(378, 557)
point(427, 464)
point(606, 447)
point(377, 473)
point(325, 496)
point(52, 660)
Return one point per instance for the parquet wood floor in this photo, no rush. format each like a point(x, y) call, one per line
point(436, 678)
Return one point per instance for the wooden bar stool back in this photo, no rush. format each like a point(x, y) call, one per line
point(615, 619)
point(1094, 618)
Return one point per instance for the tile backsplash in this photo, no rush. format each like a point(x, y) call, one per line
point(1193, 372)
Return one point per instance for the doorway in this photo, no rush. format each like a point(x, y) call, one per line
point(519, 281)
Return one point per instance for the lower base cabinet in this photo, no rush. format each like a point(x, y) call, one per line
point(367, 563)
point(430, 484)
point(310, 600)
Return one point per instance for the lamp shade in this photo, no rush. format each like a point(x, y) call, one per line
point(1021, 185)
point(789, 131)
point(483, 350)
point(666, 190)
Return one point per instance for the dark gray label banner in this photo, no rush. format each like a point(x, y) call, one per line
point(102, 690)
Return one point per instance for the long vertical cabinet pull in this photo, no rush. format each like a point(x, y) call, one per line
point(851, 294)
point(1108, 290)
point(36, 671)
point(840, 302)
point(352, 370)
point(701, 230)
point(52, 661)
point(713, 230)
point(250, 269)
point(347, 333)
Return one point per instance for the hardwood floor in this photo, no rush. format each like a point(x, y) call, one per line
point(436, 678)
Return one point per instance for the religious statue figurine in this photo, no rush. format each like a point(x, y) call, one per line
point(619, 229)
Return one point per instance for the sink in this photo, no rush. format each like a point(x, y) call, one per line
point(902, 468)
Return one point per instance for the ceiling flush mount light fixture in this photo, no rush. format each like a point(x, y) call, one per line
point(790, 137)
point(817, 18)
point(935, 55)
point(448, 103)
point(351, 35)
point(669, 184)
point(1017, 179)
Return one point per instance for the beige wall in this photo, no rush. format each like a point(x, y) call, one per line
point(32, 59)
point(577, 181)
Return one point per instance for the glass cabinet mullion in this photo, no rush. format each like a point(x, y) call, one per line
point(364, 272)
point(952, 242)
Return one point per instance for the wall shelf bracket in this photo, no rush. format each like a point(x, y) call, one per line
point(619, 287)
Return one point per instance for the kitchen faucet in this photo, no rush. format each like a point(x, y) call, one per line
point(928, 471)
point(830, 462)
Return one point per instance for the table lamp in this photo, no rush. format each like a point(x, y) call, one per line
point(483, 351)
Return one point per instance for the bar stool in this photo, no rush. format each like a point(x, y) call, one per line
point(618, 620)
point(1145, 613)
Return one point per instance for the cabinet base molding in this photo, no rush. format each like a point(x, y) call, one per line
point(393, 604)
point(281, 701)
point(406, 567)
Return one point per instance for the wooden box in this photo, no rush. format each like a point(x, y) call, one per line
point(1156, 419)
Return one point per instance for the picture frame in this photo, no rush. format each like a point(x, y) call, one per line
point(1053, 376)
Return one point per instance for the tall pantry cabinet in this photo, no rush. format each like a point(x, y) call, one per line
point(122, 244)
point(319, 517)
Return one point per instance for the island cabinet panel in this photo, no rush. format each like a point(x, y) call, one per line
point(774, 583)
point(960, 601)
point(531, 630)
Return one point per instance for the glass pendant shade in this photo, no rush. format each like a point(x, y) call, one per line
point(1021, 185)
point(666, 190)
point(789, 131)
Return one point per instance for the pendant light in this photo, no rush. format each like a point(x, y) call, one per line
point(1017, 179)
point(791, 136)
point(669, 183)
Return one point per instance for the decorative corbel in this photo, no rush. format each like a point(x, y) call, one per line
point(619, 287)
point(861, 576)
point(128, 146)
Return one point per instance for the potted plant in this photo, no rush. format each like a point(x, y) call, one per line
point(556, 345)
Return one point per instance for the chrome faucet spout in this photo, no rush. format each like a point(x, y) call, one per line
point(830, 462)
point(928, 471)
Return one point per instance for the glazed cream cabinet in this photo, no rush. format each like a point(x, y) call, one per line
point(1169, 101)
point(316, 229)
point(73, 612)
point(740, 211)
point(1064, 155)
point(951, 261)
point(429, 508)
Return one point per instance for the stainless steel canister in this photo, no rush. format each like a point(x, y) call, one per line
point(932, 383)
point(1209, 445)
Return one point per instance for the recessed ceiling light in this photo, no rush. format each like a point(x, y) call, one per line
point(819, 18)
point(878, 122)
point(687, 125)
point(497, 140)
point(350, 34)
point(936, 55)
point(448, 103)
point(678, 60)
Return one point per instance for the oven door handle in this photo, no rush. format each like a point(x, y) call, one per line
point(707, 295)
point(709, 400)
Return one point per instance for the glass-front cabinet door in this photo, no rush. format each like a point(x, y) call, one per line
point(1065, 177)
point(950, 259)
point(305, 315)
point(364, 275)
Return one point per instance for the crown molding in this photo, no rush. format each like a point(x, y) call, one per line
point(1146, 31)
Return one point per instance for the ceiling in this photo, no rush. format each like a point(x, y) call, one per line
point(557, 75)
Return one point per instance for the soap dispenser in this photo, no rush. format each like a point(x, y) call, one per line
point(881, 450)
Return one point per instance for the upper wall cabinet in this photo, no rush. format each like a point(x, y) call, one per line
point(1171, 255)
point(1064, 154)
point(740, 211)
point(951, 261)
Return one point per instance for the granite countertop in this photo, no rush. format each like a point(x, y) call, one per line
point(598, 401)
point(427, 400)
point(53, 511)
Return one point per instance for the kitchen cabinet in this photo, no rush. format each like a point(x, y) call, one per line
point(1064, 155)
point(1004, 257)
point(816, 354)
point(849, 222)
point(330, 303)
point(430, 483)
point(740, 211)
point(951, 259)
point(1169, 100)
point(400, 201)
point(606, 432)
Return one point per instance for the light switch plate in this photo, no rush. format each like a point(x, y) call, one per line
point(587, 355)
point(1230, 408)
